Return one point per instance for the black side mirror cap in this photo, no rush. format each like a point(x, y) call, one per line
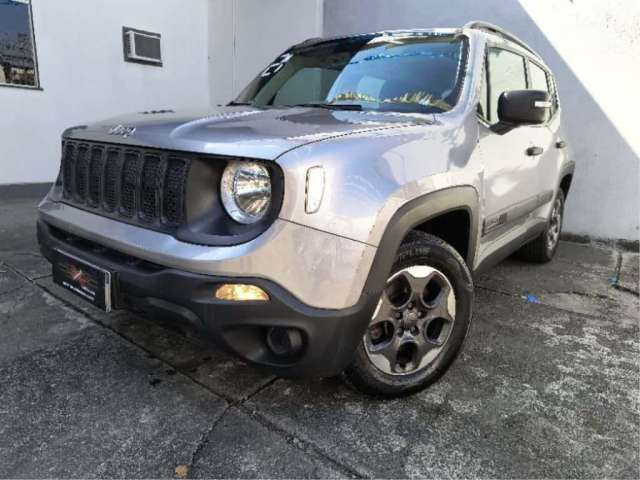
point(524, 107)
point(521, 107)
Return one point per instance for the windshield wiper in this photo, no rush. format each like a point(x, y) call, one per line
point(330, 106)
point(423, 106)
point(239, 104)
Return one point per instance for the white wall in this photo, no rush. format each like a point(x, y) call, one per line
point(221, 51)
point(247, 35)
point(593, 47)
point(84, 77)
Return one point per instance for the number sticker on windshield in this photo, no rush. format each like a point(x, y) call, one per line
point(278, 65)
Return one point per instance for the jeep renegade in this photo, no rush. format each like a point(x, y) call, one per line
point(331, 218)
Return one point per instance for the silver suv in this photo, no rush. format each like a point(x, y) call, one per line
point(331, 218)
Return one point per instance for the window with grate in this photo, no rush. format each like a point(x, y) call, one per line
point(18, 61)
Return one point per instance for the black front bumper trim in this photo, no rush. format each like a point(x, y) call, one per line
point(330, 337)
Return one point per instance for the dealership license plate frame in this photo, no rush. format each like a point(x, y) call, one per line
point(98, 293)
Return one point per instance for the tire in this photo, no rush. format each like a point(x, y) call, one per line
point(429, 274)
point(543, 248)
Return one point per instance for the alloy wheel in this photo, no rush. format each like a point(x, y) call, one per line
point(412, 322)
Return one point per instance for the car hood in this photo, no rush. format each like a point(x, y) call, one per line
point(239, 131)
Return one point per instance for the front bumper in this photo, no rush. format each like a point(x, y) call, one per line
point(329, 337)
point(320, 269)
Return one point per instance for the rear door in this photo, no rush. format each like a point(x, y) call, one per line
point(545, 136)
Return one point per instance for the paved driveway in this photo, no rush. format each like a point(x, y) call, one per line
point(547, 386)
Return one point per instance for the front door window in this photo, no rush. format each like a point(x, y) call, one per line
point(506, 72)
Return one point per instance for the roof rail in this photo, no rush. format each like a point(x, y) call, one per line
point(309, 41)
point(489, 27)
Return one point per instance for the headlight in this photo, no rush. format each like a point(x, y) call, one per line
point(246, 191)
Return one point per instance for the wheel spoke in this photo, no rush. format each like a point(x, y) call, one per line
point(417, 285)
point(446, 303)
point(438, 312)
point(425, 351)
point(443, 297)
point(386, 354)
point(385, 311)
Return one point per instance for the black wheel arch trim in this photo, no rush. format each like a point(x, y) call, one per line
point(567, 169)
point(414, 213)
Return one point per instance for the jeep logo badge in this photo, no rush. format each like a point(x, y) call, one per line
point(122, 130)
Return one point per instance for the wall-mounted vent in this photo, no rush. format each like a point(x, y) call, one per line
point(141, 46)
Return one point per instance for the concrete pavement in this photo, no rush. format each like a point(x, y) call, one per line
point(547, 386)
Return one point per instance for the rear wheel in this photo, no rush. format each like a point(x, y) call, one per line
point(543, 248)
point(420, 322)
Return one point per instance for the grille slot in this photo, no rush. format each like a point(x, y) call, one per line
point(136, 185)
point(130, 183)
point(96, 168)
point(68, 160)
point(82, 173)
point(173, 205)
point(112, 173)
point(150, 188)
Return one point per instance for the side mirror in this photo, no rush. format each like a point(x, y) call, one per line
point(522, 107)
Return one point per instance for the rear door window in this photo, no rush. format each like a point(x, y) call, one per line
point(538, 80)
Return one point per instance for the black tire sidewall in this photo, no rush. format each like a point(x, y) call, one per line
point(431, 251)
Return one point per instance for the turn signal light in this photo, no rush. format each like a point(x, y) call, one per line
point(314, 189)
point(240, 292)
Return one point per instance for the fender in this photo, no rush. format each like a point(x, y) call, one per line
point(414, 213)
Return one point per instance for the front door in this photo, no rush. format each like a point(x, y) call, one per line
point(511, 187)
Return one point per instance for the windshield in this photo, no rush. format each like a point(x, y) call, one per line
point(416, 72)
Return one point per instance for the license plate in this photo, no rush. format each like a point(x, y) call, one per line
point(83, 278)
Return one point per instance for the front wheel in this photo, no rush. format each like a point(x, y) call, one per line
point(420, 322)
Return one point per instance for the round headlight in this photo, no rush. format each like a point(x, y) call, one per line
point(246, 191)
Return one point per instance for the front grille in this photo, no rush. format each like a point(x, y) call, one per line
point(137, 185)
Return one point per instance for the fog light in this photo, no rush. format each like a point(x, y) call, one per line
point(240, 292)
point(284, 342)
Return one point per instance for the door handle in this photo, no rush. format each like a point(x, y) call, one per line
point(534, 151)
point(561, 144)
